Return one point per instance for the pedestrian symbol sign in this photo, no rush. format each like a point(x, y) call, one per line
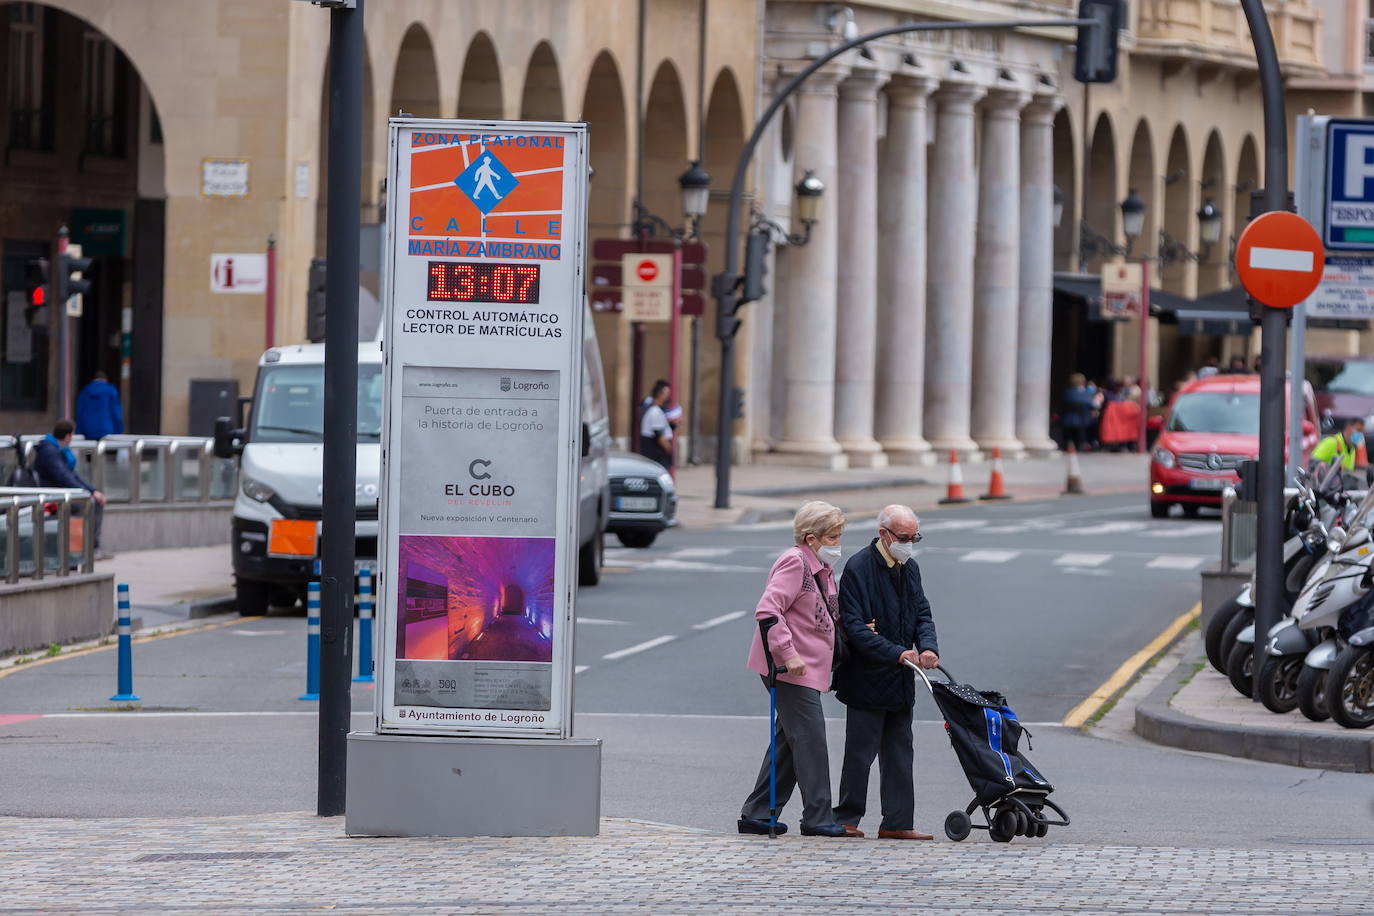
point(486, 182)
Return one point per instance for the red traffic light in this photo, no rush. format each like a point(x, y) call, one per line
point(38, 296)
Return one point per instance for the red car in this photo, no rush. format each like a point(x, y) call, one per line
point(1213, 425)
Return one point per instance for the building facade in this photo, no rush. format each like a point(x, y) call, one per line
point(940, 301)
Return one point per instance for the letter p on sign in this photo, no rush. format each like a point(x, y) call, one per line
point(1280, 259)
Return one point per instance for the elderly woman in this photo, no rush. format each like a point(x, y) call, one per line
point(801, 593)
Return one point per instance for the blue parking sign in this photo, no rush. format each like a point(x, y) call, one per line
point(1348, 211)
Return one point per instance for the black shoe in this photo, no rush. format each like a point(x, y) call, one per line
point(836, 830)
point(759, 826)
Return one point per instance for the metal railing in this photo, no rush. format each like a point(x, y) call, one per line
point(141, 469)
point(47, 515)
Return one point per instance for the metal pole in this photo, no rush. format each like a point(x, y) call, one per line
point(724, 283)
point(59, 305)
point(1308, 207)
point(694, 406)
point(340, 400)
point(270, 307)
point(1269, 542)
point(1144, 351)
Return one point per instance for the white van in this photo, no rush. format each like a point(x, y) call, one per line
point(278, 506)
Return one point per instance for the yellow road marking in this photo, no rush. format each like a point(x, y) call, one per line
point(1129, 669)
point(114, 643)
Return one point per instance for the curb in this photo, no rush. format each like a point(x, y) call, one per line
point(209, 607)
point(1157, 721)
point(839, 487)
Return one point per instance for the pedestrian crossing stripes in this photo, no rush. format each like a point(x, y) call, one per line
point(989, 556)
point(1175, 562)
point(1082, 559)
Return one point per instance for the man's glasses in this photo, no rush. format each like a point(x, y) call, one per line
point(910, 539)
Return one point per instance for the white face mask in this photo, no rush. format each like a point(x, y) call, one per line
point(901, 552)
point(829, 555)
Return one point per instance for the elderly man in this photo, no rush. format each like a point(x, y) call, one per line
point(886, 616)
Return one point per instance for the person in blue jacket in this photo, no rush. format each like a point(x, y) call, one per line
point(55, 466)
point(98, 411)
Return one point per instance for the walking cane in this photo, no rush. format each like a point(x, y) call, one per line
point(771, 679)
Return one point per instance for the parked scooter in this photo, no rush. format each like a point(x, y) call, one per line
point(1350, 682)
point(1343, 577)
point(1310, 515)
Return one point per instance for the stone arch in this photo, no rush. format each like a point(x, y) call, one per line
point(415, 82)
point(479, 91)
point(1213, 270)
point(100, 143)
point(722, 138)
point(1143, 178)
point(1101, 211)
point(1066, 173)
point(1180, 214)
point(1247, 180)
point(664, 157)
point(605, 110)
point(542, 97)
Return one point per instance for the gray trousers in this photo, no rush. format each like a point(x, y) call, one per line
point(802, 759)
point(885, 734)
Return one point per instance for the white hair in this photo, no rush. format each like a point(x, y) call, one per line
point(890, 514)
point(815, 518)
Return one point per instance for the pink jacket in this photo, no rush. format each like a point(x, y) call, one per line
point(805, 626)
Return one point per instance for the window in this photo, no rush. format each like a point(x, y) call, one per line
point(290, 404)
point(1216, 412)
point(31, 75)
point(104, 96)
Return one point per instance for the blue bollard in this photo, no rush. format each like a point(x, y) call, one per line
point(126, 649)
point(312, 642)
point(364, 627)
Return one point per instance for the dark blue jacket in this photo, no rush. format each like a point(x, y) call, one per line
point(1078, 406)
point(55, 466)
point(874, 676)
point(98, 411)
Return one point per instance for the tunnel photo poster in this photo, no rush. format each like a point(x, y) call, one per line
point(482, 341)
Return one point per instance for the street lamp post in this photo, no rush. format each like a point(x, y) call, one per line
point(1132, 224)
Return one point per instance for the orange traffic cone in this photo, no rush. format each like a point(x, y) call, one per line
point(1074, 485)
point(997, 488)
point(955, 493)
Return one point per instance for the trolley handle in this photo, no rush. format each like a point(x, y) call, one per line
point(774, 669)
point(921, 671)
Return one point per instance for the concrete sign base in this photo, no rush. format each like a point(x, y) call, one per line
point(407, 785)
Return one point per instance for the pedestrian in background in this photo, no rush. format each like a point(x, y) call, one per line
point(1344, 445)
point(1237, 366)
point(655, 431)
point(1210, 368)
point(802, 596)
point(1077, 418)
point(55, 466)
point(886, 615)
point(98, 411)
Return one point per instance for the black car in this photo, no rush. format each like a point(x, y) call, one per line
point(643, 499)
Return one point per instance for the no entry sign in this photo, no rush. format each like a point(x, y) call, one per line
point(1279, 258)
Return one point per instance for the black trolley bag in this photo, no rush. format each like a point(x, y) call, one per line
point(986, 736)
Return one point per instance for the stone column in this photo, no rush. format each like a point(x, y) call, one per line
point(856, 201)
point(809, 364)
point(901, 265)
point(1034, 324)
point(949, 270)
point(997, 282)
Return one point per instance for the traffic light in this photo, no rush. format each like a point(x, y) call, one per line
point(314, 301)
point(755, 266)
point(1095, 52)
point(36, 290)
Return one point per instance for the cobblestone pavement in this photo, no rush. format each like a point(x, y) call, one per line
point(287, 863)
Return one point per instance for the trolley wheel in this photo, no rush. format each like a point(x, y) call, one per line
point(1022, 824)
point(958, 825)
point(1003, 826)
point(1042, 829)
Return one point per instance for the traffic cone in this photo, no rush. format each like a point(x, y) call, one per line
point(1074, 485)
point(955, 493)
point(997, 488)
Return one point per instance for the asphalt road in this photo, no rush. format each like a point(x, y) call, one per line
point(1042, 601)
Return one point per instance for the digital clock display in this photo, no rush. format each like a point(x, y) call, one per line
point(480, 281)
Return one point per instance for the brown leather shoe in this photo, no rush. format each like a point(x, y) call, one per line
point(852, 831)
point(903, 835)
